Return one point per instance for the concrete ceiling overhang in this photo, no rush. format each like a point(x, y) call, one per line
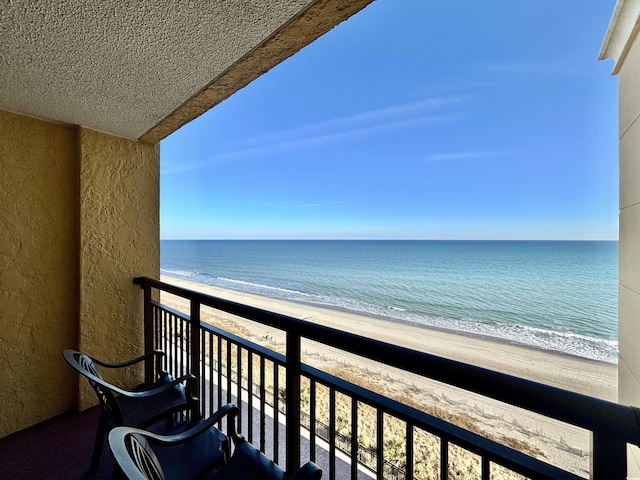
point(623, 30)
point(142, 69)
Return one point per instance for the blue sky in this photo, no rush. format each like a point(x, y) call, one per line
point(414, 119)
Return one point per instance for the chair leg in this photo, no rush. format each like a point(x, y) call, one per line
point(97, 446)
point(226, 449)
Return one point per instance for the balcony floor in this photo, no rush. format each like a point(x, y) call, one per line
point(59, 448)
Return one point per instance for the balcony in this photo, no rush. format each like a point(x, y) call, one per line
point(295, 411)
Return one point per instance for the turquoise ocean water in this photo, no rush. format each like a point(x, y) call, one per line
point(553, 295)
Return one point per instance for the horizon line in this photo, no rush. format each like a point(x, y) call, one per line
point(400, 239)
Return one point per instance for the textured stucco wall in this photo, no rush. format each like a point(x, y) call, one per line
point(119, 240)
point(38, 269)
point(80, 219)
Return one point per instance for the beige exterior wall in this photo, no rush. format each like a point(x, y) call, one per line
point(80, 219)
point(119, 240)
point(629, 255)
point(629, 236)
point(38, 269)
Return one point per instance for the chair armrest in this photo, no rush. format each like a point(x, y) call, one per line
point(308, 471)
point(188, 379)
point(128, 363)
point(230, 410)
point(118, 433)
point(69, 356)
point(141, 393)
point(145, 393)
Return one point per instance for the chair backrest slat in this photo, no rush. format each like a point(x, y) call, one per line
point(143, 457)
point(86, 363)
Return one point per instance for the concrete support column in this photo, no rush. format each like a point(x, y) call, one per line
point(119, 239)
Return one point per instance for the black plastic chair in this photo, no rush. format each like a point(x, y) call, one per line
point(165, 399)
point(142, 455)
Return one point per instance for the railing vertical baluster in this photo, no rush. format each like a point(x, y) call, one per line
point(408, 468)
point(158, 325)
point(293, 372)
point(228, 379)
point(203, 371)
point(168, 346)
point(184, 347)
point(444, 458)
point(186, 340)
point(354, 438)
point(239, 386)
point(179, 347)
point(262, 404)
point(250, 394)
point(163, 340)
point(380, 443)
point(212, 406)
point(276, 412)
point(148, 333)
point(332, 433)
point(158, 340)
point(608, 457)
point(184, 368)
point(194, 345)
point(161, 327)
point(312, 419)
point(219, 369)
point(486, 468)
point(173, 342)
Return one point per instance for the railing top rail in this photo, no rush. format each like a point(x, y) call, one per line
point(584, 411)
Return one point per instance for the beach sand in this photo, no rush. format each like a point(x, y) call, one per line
point(562, 445)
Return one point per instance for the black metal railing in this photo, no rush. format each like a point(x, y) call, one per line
point(278, 396)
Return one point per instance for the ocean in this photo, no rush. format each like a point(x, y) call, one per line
point(559, 296)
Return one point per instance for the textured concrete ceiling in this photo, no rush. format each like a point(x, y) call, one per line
point(141, 69)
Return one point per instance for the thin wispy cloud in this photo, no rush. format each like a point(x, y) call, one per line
point(313, 205)
point(535, 67)
point(422, 112)
point(456, 156)
point(379, 116)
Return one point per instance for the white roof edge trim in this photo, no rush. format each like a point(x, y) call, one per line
point(623, 28)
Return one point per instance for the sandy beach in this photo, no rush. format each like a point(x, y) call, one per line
point(562, 445)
